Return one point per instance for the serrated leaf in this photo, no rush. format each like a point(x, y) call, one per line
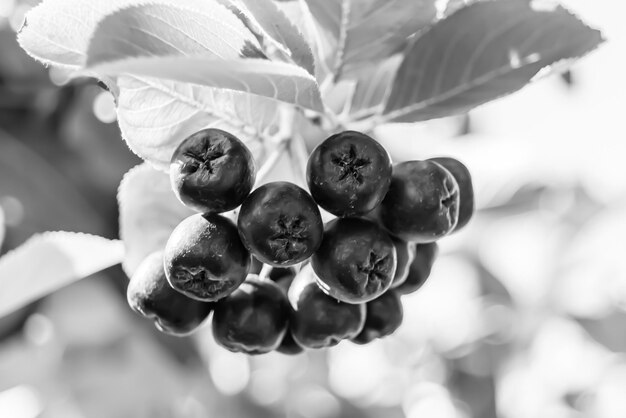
point(482, 52)
point(275, 80)
point(57, 32)
point(368, 30)
point(279, 28)
point(208, 29)
point(49, 261)
point(156, 115)
point(149, 211)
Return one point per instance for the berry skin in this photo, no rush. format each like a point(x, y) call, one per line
point(280, 224)
point(405, 252)
point(289, 345)
point(383, 317)
point(425, 255)
point(349, 173)
point(204, 258)
point(253, 319)
point(318, 320)
point(255, 266)
point(422, 204)
point(283, 277)
point(212, 171)
point(466, 190)
point(356, 261)
point(150, 295)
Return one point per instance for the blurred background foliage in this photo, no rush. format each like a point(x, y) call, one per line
point(523, 317)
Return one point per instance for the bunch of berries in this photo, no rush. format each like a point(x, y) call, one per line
point(280, 279)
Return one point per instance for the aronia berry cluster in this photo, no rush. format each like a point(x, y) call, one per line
point(280, 279)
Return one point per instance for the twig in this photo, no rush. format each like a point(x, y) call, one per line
point(270, 162)
point(283, 138)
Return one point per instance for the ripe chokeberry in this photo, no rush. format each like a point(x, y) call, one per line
point(349, 173)
point(383, 316)
point(289, 345)
point(280, 224)
point(212, 171)
point(422, 204)
point(204, 257)
point(318, 320)
point(466, 190)
point(255, 266)
point(253, 319)
point(150, 295)
point(356, 261)
point(419, 270)
point(283, 277)
point(405, 252)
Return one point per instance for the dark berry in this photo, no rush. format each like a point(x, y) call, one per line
point(349, 173)
point(280, 224)
point(150, 295)
point(422, 204)
point(253, 319)
point(466, 190)
point(255, 266)
point(204, 257)
point(356, 261)
point(383, 317)
point(289, 345)
point(420, 268)
point(318, 320)
point(405, 252)
point(212, 171)
point(282, 276)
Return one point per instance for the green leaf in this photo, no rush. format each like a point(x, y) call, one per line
point(149, 211)
point(166, 30)
point(454, 5)
point(372, 87)
point(275, 80)
point(360, 31)
point(57, 32)
point(482, 52)
point(283, 34)
point(49, 261)
point(156, 115)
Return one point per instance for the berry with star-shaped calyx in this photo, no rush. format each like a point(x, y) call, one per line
point(150, 295)
point(422, 204)
point(212, 171)
point(204, 257)
point(356, 261)
point(280, 224)
point(349, 173)
point(466, 190)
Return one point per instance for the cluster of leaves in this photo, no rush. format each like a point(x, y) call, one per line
point(177, 66)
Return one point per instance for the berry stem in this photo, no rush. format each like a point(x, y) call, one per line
point(299, 156)
point(265, 272)
point(270, 161)
point(282, 141)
